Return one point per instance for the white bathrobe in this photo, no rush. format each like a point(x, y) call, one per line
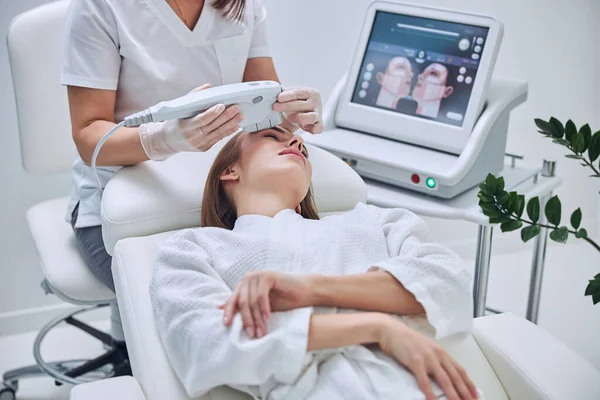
point(197, 269)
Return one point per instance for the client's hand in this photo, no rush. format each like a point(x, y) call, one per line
point(425, 358)
point(302, 107)
point(261, 292)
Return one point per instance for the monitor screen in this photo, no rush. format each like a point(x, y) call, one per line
point(420, 67)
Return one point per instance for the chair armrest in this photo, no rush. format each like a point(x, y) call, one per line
point(122, 388)
point(531, 364)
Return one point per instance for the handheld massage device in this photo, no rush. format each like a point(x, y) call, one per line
point(255, 100)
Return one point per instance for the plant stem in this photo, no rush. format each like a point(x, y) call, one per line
point(590, 241)
point(589, 164)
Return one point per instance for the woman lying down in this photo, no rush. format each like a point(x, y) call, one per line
point(271, 300)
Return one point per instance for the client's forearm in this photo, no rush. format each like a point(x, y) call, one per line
point(371, 291)
point(329, 331)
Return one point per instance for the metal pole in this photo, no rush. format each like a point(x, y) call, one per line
point(537, 266)
point(539, 254)
point(482, 269)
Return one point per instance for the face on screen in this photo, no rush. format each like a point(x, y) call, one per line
point(395, 82)
point(420, 67)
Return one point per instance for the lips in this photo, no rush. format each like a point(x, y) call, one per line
point(294, 152)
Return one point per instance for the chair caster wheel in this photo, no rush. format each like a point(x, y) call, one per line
point(7, 393)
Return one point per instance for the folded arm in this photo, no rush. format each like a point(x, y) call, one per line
point(186, 292)
point(372, 291)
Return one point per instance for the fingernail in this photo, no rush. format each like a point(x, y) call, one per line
point(265, 317)
point(235, 109)
point(225, 319)
point(249, 332)
point(259, 332)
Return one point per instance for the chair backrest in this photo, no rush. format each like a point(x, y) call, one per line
point(35, 53)
point(152, 197)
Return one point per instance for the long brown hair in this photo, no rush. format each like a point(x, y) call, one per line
point(231, 9)
point(217, 208)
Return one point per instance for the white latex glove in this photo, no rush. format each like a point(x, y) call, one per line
point(161, 140)
point(302, 107)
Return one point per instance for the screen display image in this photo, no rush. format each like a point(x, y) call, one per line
point(420, 67)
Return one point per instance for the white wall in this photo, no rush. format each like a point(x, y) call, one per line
point(546, 42)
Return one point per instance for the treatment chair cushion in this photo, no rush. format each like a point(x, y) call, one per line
point(64, 269)
point(154, 197)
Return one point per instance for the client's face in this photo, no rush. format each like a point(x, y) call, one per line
point(274, 160)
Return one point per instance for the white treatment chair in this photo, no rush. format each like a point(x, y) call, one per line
point(35, 54)
point(507, 356)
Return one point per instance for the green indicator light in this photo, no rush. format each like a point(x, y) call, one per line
point(430, 182)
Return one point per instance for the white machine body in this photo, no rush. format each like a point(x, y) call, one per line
point(400, 141)
point(255, 100)
point(410, 166)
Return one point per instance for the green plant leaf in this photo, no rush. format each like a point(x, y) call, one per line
point(503, 199)
point(500, 187)
point(553, 210)
point(511, 226)
point(520, 205)
point(586, 131)
point(576, 218)
point(570, 130)
point(533, 209)
point(513, 202)
point(594, 150)
point(581, 234)
point(500, 219)
point(484, 198)
point(560, 235)
point(544, 126)
point(491, 182)
point(562, 142)
point(574, 156)
point(485, 190)
point(557, 127)
point(578, 143)
point(593, 289)
point(529, 232)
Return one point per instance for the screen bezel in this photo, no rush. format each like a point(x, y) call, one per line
point(440, 136)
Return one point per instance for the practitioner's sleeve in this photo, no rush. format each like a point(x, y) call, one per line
point(432, 273)
point(185, 293)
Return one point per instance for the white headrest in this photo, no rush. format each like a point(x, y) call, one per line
point(35, 52)
point(156, 197)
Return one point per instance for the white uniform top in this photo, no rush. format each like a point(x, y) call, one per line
point(141, 49)
point(197, 269)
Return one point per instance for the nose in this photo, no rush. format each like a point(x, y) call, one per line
point(295, 141)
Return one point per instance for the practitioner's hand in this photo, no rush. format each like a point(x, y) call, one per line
point(261, 292)
point(425, 358)
point(199, 133)
point(302, 107)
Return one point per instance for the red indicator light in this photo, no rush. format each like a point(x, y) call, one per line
point(415, 179)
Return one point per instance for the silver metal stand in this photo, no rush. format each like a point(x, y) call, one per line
point(537, 267)
point(539, 254)
point(482, 269)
